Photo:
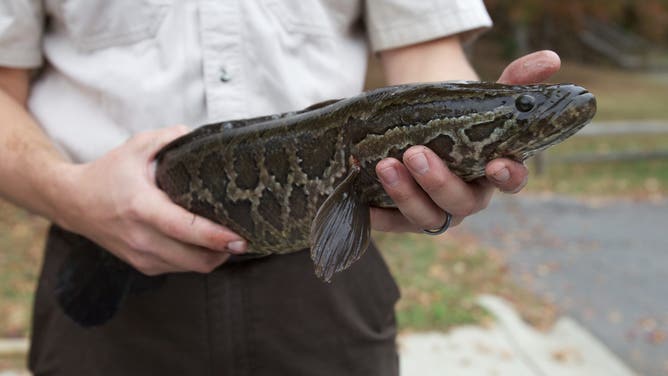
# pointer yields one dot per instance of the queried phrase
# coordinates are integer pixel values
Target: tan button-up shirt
(114, 68)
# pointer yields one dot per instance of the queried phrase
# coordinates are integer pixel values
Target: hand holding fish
(424, 188)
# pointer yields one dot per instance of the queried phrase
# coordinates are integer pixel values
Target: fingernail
(522, 185)
(501, 175)
(237, 246)
(418, 163)
(389, 176)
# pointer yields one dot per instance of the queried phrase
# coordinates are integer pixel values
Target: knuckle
(140, 138)
(436, 183)
(464, 209)
(401, 196)
(143, 264)
(138, 241)
(151, 271)
(209, 263)
(172, 228)
(180, 128)
(135, 208)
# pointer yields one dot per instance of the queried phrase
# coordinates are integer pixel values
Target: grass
(632, 179)
(21, 244)
(12, 362)
(637, 179)
(621, 95)
(440, 279)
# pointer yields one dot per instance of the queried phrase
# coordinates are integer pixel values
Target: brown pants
(268, 316)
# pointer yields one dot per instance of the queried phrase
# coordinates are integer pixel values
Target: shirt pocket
(95, 24)
(307, 17)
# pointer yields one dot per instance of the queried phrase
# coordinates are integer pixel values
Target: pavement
(602, 262)
(508, 347)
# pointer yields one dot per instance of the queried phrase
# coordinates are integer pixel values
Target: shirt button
(224, 75)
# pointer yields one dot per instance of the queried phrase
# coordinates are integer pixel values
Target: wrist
(63, 194)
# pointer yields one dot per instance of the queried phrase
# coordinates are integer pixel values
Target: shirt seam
(20, 58)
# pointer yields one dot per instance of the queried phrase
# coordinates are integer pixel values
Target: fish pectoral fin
(341, 230)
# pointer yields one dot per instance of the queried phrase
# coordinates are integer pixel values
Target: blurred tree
(524, 25)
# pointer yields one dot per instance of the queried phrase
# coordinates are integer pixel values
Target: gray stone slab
(603, 262)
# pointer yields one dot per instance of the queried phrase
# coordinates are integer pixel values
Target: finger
(507, 175)
(445, 188)
(391, 220)
(190, 259)
(165, 136)
(184, 226)
(410, 199)
(150, 142)
(147, 263)
(532, 68)
(179, 256)
(152, 265)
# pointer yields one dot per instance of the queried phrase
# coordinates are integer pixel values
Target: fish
(306, 179)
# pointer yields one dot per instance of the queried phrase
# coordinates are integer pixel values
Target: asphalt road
(603, 263)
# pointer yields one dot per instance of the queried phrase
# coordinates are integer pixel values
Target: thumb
(532, 68)
(167, 135)
(148, 144)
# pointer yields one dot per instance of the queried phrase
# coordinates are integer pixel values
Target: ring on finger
(443, 228)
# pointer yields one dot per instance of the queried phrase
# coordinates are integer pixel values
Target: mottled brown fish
(306, 179)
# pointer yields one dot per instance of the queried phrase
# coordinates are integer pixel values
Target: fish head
(546, 115)
(471, 123)
(515, 121)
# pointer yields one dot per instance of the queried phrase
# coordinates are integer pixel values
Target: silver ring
(442, 229)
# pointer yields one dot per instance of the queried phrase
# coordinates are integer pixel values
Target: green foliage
(639, 179)
(440, 278)
(21, 241)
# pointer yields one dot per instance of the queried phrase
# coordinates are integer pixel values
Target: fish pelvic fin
(341, 230)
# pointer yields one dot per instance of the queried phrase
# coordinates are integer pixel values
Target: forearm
(31, 167)
(438, 60)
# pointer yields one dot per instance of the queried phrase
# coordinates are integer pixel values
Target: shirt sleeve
(396, 23)
(21, 27)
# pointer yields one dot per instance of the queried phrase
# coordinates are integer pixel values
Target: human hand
(423, 187)
(115, 202)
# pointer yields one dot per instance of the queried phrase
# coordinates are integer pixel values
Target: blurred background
(587, 238)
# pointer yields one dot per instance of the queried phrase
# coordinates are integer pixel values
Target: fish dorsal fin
(340, 232)
(318, 105)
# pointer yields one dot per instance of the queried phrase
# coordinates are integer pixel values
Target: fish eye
(525, 103)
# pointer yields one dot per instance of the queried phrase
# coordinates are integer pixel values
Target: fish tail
(92, 283)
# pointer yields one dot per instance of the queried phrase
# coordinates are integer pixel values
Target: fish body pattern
(306, 179)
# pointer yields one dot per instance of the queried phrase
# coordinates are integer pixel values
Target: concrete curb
(567, 349)
(13, 346)
(508, 347)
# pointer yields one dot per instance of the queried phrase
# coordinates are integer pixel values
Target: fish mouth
(575, 109)
(577, 113)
